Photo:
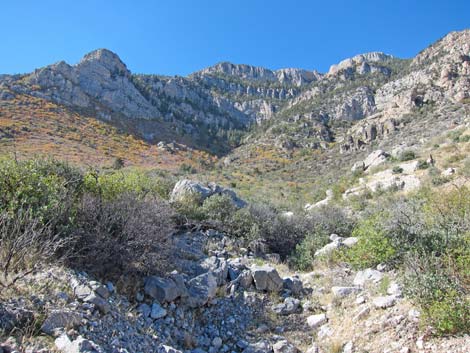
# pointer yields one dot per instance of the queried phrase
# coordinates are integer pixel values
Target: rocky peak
(455, 44)
(361, 63)
(297, 77)
(106, 59)
(243, 71)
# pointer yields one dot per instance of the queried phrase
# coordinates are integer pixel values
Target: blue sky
(181, 36)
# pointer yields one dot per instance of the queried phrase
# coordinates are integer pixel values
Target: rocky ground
(222, 299)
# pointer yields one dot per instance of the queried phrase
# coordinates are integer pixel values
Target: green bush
(407, 155)
(423, 165)
(111, 184)
(218, 208)
(373, 246)
(397, 170)
(304, 254)
(43, 187)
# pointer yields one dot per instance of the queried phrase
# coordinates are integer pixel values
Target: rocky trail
(222, 299)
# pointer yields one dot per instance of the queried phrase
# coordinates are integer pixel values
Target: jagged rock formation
(212, 108)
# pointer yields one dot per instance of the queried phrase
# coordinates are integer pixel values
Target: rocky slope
(222, 299)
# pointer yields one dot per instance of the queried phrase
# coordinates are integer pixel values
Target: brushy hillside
(33, 126)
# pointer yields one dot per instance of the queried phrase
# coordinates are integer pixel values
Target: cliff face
(212, 108)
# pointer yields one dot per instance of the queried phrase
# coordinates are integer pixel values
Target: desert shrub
(407, 155)
(397, 170)
(44, 187)
(431, 285)
(123, 238)
(373, 247)
(280, 233)
(422, 164)
(242, 224)
(218, 208)
(324, 221)
(189, 208)
(112, 184)
(455, 158)
(26, 245)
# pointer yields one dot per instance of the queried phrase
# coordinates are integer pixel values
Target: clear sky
(181, 36)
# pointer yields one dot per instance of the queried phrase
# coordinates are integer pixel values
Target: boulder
(266, 278)
(315, 321)
(367, 275)
(164, 290)
(219, 268)
(144, 309)
(245, 279)
(14, 317)
(284, 347)
(80, 345)
(82, 291)
(293, 284)
(60, 319)
(328, 248)
(289, 306)
(384, 302)
(350, 241)
(157, 312)
(374, 159)
(201, 289)
(99, 302)
(341, 292)
(189, 188)
(259, 347)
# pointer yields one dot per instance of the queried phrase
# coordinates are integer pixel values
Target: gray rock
(144, 309)
(384, 302)
(80, 345)
(266, 278)
(284, 347)
(341, 292)
(245, 279)
(82, 291)
(201, 289)
(219, 268)
(289, 306)
(375, 158)
(259, 347)
(164, 290)
(99, 302)
(315, 321)
(157, 312)
(368, 275)
(192, 189)
(293, 284)
(217, 342)
(60, 319)
(328, 248)
(350, 242)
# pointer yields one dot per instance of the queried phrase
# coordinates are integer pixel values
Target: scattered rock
(341, 292)
(99, 302)
(284, 347)
(201, 289)
(293, 284)
(289, 306)
(164, 290)
(368, 275)
(315, 321)
(266, 278)
(157, 312)
(384, 302)
(60, 319)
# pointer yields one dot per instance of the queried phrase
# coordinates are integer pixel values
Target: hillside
(238, 209)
